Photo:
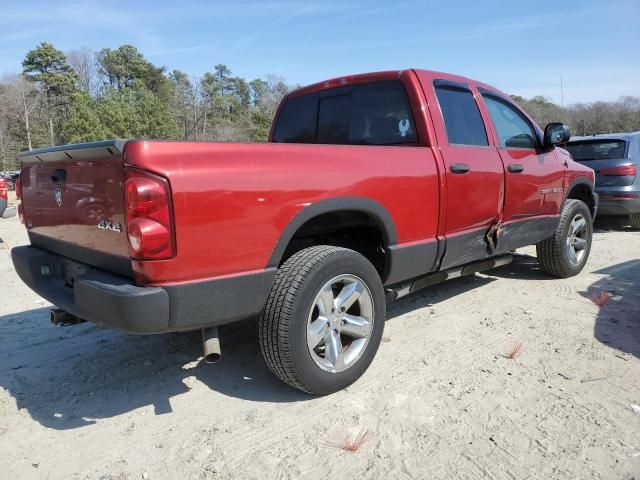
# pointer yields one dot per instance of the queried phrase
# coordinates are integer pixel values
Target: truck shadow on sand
(70, 377)
(618, 320)
(523, 267)
(435, 294)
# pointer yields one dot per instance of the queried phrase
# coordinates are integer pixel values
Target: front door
(534, 177)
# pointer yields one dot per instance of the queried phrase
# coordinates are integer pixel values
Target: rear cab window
(584, 150)
(376, 113)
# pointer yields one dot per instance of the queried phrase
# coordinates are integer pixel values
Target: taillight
(149, 217)
(622, 171)
(18, 186)
(3, 189)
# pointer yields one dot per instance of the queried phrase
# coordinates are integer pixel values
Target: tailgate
(73, 196)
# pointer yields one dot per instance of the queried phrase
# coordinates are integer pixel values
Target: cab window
(512, 127)
(461, 116)
(376, 113)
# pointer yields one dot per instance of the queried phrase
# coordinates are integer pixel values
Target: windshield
(597, 149)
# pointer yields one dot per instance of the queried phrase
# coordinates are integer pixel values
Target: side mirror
(555, 133)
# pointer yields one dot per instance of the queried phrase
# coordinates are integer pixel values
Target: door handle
(515, 168)
(59, 176)
(459, 168)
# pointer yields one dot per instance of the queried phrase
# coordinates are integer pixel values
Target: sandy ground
(439, 401)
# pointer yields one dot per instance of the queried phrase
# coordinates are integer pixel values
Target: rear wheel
(566, 252)
(323, 320)
(634, 219)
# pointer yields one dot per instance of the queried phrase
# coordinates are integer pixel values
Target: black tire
(552, 253)
(283, 323)
(634, 219)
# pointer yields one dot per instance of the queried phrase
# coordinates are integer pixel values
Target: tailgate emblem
(58, 195)
(109, 225)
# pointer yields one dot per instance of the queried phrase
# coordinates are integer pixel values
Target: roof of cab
(387, 75)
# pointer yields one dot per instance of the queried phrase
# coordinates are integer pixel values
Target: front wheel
(565, 253)
(323, 320)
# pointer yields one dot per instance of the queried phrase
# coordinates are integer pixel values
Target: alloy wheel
(340, 323)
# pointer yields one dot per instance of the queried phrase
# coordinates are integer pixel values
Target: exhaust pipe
(211, 345)
(64, 319)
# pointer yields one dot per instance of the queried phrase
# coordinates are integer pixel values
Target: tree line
(82, 95)
(622, 115)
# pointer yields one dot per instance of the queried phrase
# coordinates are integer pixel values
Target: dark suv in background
(615, 157)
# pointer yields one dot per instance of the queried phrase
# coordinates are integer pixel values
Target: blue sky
(519, 47)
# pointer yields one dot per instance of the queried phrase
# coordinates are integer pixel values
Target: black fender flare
(579, 181)
(359, 204)
(583, 181)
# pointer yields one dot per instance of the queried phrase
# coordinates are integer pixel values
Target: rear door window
(597, 149)
(461, 115)
(376, 113)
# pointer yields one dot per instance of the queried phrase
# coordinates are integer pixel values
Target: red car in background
(6, 210)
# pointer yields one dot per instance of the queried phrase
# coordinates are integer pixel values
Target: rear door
(474, 173)
(534, 178)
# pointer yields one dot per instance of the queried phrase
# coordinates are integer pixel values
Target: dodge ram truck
(371, 187)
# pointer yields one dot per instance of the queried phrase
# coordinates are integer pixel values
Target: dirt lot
(440, 400)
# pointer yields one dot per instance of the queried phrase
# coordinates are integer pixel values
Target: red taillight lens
(149, 216)
(622, 171)
(145, 196)
(3, 189)
(146, 235)
(18, 189)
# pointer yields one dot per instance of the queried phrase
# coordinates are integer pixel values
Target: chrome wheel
(577, 239)
(340, 323)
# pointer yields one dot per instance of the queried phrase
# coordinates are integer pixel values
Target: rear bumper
(618, 206)
(113, 301)
(619, 200)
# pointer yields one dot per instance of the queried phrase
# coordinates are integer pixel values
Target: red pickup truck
(371, 187)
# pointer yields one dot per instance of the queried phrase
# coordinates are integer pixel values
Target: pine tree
(48, 67)
(83, 123)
